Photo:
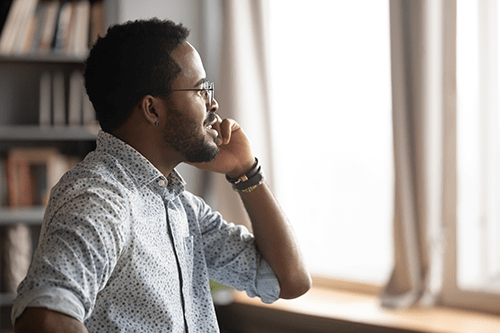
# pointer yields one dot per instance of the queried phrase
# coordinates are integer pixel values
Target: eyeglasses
(208, 90)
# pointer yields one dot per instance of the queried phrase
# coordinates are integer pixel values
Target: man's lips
(210, 121)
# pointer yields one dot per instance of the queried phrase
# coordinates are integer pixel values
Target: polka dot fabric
(124, 249)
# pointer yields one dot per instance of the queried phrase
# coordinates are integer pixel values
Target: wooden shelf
(26, 215)
(39, 59)
(49, 133)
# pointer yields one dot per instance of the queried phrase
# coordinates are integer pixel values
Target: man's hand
(235, 156)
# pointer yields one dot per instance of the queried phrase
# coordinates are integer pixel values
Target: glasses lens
(209, 87)
(211, 92)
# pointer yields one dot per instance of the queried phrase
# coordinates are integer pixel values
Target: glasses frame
(208, 86)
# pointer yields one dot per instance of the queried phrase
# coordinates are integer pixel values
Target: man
(124, 248)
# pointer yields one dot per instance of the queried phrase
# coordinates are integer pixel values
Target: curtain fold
(417, 61)
(243, 92)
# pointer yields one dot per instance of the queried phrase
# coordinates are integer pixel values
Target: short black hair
(132, 60)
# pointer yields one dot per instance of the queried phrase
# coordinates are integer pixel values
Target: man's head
(132, 60)
(149, 88)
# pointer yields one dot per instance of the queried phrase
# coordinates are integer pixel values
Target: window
(332, 128)
(478, 153)
(472, 268)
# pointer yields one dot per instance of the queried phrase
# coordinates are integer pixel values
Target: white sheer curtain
(242, 92)
(418, 57)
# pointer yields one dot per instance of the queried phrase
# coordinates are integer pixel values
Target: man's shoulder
(95, 175)
(97, 169)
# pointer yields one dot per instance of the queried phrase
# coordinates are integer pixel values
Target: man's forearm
(35, 320)
(276, 241)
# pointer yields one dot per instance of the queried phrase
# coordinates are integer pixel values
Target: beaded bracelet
(249, 189)
(249, 181)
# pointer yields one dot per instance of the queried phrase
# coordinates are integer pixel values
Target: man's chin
(207, 155)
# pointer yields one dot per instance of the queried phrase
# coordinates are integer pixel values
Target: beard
(184, 135)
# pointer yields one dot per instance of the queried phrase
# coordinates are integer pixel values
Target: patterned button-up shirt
(125, 249)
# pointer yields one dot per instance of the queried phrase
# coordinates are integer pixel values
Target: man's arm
(273, 233)
(41, 320)
(276, 241)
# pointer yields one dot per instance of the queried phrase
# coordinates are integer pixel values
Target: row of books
(28, 174)
(63, 100)
(41, 27)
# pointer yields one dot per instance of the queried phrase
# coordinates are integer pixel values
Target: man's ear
(148, 105)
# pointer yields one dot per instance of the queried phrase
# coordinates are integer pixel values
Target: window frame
(452, 294)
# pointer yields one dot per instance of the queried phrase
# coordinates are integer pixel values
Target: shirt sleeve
(78, 249)
(233, 259)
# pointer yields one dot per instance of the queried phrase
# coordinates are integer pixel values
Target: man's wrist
(242, 171)
(249, 181)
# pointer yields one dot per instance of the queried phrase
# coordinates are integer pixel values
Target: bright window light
(478, 145)
(332, 133)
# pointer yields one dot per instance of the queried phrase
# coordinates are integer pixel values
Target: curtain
(242, 93)
(418, 61)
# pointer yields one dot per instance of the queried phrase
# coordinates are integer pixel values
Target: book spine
(48, 28)
(8, 36)
(45, 99)
(75, 99)
(59, 99)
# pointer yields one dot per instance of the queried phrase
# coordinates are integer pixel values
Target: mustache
(210, 118)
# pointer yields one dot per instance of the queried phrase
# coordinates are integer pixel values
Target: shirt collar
(141, 169)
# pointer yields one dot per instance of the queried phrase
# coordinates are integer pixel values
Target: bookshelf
(49, 133)
(26, 215)
(24, 98)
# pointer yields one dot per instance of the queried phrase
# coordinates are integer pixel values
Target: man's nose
(214, 107)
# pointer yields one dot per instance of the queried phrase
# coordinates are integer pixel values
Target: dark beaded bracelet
(250, 180)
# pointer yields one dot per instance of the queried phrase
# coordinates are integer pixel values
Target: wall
(181, 11)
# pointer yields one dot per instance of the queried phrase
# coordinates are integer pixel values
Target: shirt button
(161, 182)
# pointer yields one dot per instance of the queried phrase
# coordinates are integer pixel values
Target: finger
(225, 128)
(228, 128)
(216, 126)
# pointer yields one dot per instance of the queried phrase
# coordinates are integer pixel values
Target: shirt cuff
(266, 284)
(53, 298)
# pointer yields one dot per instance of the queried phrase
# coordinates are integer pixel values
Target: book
(31, 174)
(18, 181)
(75, 104)
(24, 22)
(97, 21)
(58, 99)
(31, 30)
(48, 27)
(41, 13)
(45, 98)
(80, 39)
(3, 181)
(63, 27)
(7, 39)
(70, 35)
